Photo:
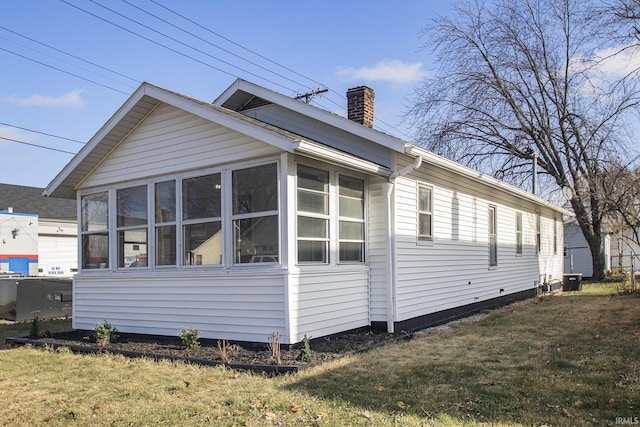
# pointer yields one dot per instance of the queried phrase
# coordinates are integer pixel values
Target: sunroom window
(351, 219)
(255, 214)
(94, 229)
(131, 208)
(165, 222)
(313, 215)
(202, 220)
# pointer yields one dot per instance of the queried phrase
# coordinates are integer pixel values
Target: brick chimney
(360, 105)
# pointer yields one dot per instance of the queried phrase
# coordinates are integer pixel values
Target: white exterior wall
(326, 300)
(378, 249)
(247, 306)
(453, 270)
(19, 241)
(171, 140)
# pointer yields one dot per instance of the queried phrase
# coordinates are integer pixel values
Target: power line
(38, 146)
(171, 38)
(62, 71)
(69, 54)
(43, 133)
(236, 44)
(213, 44)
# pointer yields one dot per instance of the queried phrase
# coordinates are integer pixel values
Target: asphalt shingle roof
(29, 200)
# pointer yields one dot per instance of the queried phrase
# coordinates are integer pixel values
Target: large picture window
(221, 218)
(94, 213)
(313, 215)
(255, 214)
(202, 220)
(131, 208)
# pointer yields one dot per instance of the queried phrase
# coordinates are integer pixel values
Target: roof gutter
(388, 188)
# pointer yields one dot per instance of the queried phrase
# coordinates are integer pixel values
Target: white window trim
(495, 233)
(430, 239)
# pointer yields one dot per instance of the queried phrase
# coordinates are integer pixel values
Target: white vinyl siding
(452, 272)
(327, 301)
(244, 307)
(171, 140)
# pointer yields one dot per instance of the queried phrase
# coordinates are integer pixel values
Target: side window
(255, 212)
(538, 232)
(351, 219)
(493, 237)
(313, 215)
(132, 226)
(519, 233)
(202, 220)
(425, 213)
(94, 213)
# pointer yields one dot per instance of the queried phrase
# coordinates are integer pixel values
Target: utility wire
(236, 44)
(38, 146)
(175, 40)
(214, 45)
(63, 71)
(69, 54)
(43, 133)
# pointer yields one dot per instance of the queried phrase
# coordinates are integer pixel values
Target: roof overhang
(327, 154)
(431, 158)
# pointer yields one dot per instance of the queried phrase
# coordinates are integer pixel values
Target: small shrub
(274, 348)
(223, 347)
(105, 333)
(190, 337)
(305, 351)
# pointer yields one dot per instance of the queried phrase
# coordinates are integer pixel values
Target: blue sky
(339, 44)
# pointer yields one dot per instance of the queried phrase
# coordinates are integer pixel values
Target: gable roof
(139, 105)
(29, 200)
(227, 109)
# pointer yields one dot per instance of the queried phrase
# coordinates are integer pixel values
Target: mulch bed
(251, 356)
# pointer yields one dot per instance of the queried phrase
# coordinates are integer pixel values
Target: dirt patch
(237, 353)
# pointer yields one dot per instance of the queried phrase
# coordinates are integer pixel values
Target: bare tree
(525, 78)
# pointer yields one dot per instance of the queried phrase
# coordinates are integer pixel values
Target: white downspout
(391, 240)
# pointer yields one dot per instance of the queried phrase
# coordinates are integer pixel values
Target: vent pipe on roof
(360, 105)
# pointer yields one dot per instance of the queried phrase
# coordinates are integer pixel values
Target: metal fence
(27, 297)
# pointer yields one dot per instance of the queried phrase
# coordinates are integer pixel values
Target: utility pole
(310, 95)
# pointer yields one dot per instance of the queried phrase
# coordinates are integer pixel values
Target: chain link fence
(23, 298)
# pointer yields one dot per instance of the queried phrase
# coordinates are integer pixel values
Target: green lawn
(568, 359)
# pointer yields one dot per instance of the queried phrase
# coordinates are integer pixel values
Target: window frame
(121, 230)
(326, 217)
(492, 228)
(94, 232)
(334, 217)
(113, 230)
(519, 241)
(538, 231)
(424, 238)
(343, 219)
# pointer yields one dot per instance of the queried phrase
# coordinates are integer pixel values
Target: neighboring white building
(260, 214)
(38, 236)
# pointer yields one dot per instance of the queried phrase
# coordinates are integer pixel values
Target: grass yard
(569, 359)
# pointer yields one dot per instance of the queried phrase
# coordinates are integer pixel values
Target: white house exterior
(259, 214)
